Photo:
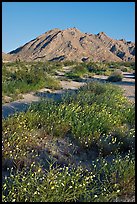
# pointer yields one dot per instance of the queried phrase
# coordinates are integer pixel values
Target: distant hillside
(72, 44)
(7, 57)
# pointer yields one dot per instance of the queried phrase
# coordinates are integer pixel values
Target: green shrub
(115, 76)
(124, 69)
(103, 183)
(77, 72)
(98, 116)
(96, 109)
(69, 63)
(26, 77)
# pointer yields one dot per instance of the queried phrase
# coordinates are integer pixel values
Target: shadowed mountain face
(72, 44)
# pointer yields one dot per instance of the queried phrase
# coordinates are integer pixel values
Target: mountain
(7, 57)
(121, 48)
(72, 44)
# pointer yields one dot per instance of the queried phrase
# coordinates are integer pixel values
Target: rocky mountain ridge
(72, 44)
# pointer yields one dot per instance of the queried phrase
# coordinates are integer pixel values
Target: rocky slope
(7, 57)
(72, 44)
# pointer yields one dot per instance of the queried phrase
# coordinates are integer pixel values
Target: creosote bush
(115, 76)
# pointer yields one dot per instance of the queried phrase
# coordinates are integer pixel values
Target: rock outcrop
(72, 44)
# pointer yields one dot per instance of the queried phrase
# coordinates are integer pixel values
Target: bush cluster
(97, 116)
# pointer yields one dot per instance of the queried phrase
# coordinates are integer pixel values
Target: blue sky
(24, 21)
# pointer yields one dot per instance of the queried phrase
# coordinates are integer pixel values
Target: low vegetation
(98, 118)
(77, 72)
(23, 77)
(115, 76)
(89, 69)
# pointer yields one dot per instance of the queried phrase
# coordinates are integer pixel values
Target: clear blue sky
(24, 21)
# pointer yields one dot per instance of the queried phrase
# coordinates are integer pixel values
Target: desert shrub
(57, 184)
(115, 178)
(124, 69)
(107, 72)
(104, 182)
(28, 77)
(98, 68)
(77, 72)
(69, 63)
(96, 109)
(97, 116)
(115, 76)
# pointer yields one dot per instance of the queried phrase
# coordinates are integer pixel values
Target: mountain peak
(74, 29)
(72, 44)
(101, 33)
(53, 30)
